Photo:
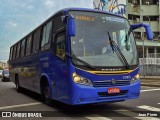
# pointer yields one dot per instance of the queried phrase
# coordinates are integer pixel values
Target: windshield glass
(92, 41)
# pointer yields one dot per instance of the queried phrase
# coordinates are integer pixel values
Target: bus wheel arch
(45, 90)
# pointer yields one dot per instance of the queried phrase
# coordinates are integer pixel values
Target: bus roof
(65, 10)
(87, 9)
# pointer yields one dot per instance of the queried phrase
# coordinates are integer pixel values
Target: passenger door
(61, 71)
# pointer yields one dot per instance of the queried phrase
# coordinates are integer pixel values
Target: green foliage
(1, 68)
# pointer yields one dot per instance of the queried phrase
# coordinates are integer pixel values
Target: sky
(19, 17)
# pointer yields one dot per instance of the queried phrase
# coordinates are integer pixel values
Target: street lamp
(149, 25)
(141, 20)
(142, 37)
(149, 19)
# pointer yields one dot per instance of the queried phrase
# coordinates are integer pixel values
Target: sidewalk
(152, 81)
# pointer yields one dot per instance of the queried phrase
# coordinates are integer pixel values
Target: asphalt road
(147, 104)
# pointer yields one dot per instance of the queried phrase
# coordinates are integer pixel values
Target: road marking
(127, 112)
(132, 114)
(97, 117)
(21, 105)
(149, 90)
(147, 118)
(149, 108)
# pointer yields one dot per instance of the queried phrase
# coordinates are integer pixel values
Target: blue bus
(79, 56)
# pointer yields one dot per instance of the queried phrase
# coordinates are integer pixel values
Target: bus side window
(57, 23)
(18, 49)
(43, 38)
(33, 43)
(14, 51)
(60, 45)
(23, 44)
(29, 45)
(11, 53)
(46, 36)
(36, 41)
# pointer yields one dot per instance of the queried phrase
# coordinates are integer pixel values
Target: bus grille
(108, 83)
(105, 94)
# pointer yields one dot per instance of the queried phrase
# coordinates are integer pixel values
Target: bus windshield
(92, 42)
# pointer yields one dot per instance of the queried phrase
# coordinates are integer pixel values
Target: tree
(1, 68)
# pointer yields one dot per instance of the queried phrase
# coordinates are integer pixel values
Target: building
(3, 65)
(138, 11)
(146, 11)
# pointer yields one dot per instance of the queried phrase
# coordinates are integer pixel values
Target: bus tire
(46, 94)
(18, 88)
(4, 79)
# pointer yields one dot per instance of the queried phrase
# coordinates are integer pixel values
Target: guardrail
(149, 61)
(150, 66)
(153, 55)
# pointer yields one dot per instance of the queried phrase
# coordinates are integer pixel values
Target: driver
(107, 48)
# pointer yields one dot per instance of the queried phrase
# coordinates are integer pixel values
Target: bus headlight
(135, 78)
(81, 80)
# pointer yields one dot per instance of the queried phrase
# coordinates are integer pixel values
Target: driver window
(125, 44)
(60, 45)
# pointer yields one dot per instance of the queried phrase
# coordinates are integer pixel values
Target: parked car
(1, 73)
(5, 75)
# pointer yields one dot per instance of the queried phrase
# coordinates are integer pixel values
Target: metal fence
(153, 55)
(149, 66)
(149, 61)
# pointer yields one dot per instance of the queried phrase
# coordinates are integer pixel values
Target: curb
(151, 78)
(150, 85)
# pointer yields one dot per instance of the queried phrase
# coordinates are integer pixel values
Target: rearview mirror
(149, 32)
(147, 29)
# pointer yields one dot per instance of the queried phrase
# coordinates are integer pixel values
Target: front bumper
(86, 94)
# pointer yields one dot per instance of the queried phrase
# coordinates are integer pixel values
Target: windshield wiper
(74, 57)
(111, 42)
(119, 53)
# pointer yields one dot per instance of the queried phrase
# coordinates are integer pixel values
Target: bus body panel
(58, 73)
(81, 94)
(61, 74)
(86, 95)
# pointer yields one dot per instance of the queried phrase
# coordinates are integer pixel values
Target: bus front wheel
(46, 94)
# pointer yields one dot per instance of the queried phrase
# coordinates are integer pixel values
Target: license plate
(113, 90)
